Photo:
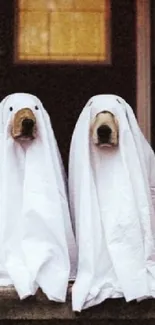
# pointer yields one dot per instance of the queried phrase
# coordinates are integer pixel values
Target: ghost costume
(37, 247)
(112, 200)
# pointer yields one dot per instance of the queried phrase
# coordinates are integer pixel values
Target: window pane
(98, 5)
(63, 30)
(33, 33)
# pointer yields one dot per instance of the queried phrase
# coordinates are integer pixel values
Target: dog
(105, 130)
(24, 125)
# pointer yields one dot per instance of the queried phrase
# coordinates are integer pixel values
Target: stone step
(39, 310)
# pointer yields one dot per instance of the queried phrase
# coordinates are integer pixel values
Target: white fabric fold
(37, 245)
(112, 200)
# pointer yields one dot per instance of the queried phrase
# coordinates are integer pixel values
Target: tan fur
(23, 113)
(105, 118)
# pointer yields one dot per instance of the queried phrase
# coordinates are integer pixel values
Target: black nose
(27, 123)
(104, 133)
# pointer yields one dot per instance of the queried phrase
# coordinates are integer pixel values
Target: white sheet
(112, 199)
(37, 246)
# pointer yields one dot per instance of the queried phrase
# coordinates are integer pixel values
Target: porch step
(38, 310)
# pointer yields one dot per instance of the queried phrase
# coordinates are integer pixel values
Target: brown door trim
(143, 67)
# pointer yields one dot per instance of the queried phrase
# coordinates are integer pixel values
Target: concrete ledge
(40, 308)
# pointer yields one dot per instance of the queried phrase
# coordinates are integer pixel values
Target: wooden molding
(143, 67)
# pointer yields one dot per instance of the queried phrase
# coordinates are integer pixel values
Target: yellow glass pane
(89, 32)
(36, 5)
(71, 33)
(62, 33)
(61, 5)
(54, 5)
(33, 33)
(22, 35)
(56, 30)
(87, 5)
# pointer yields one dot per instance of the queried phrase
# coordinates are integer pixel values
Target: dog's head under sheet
(19, 115)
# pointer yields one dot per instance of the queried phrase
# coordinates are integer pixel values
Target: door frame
(143, 36)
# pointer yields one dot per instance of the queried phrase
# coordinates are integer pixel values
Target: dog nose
(104, 131)
(27, 123)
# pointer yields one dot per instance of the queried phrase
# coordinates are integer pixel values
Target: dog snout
(104, 133)
(24, 125)
(28, 123)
